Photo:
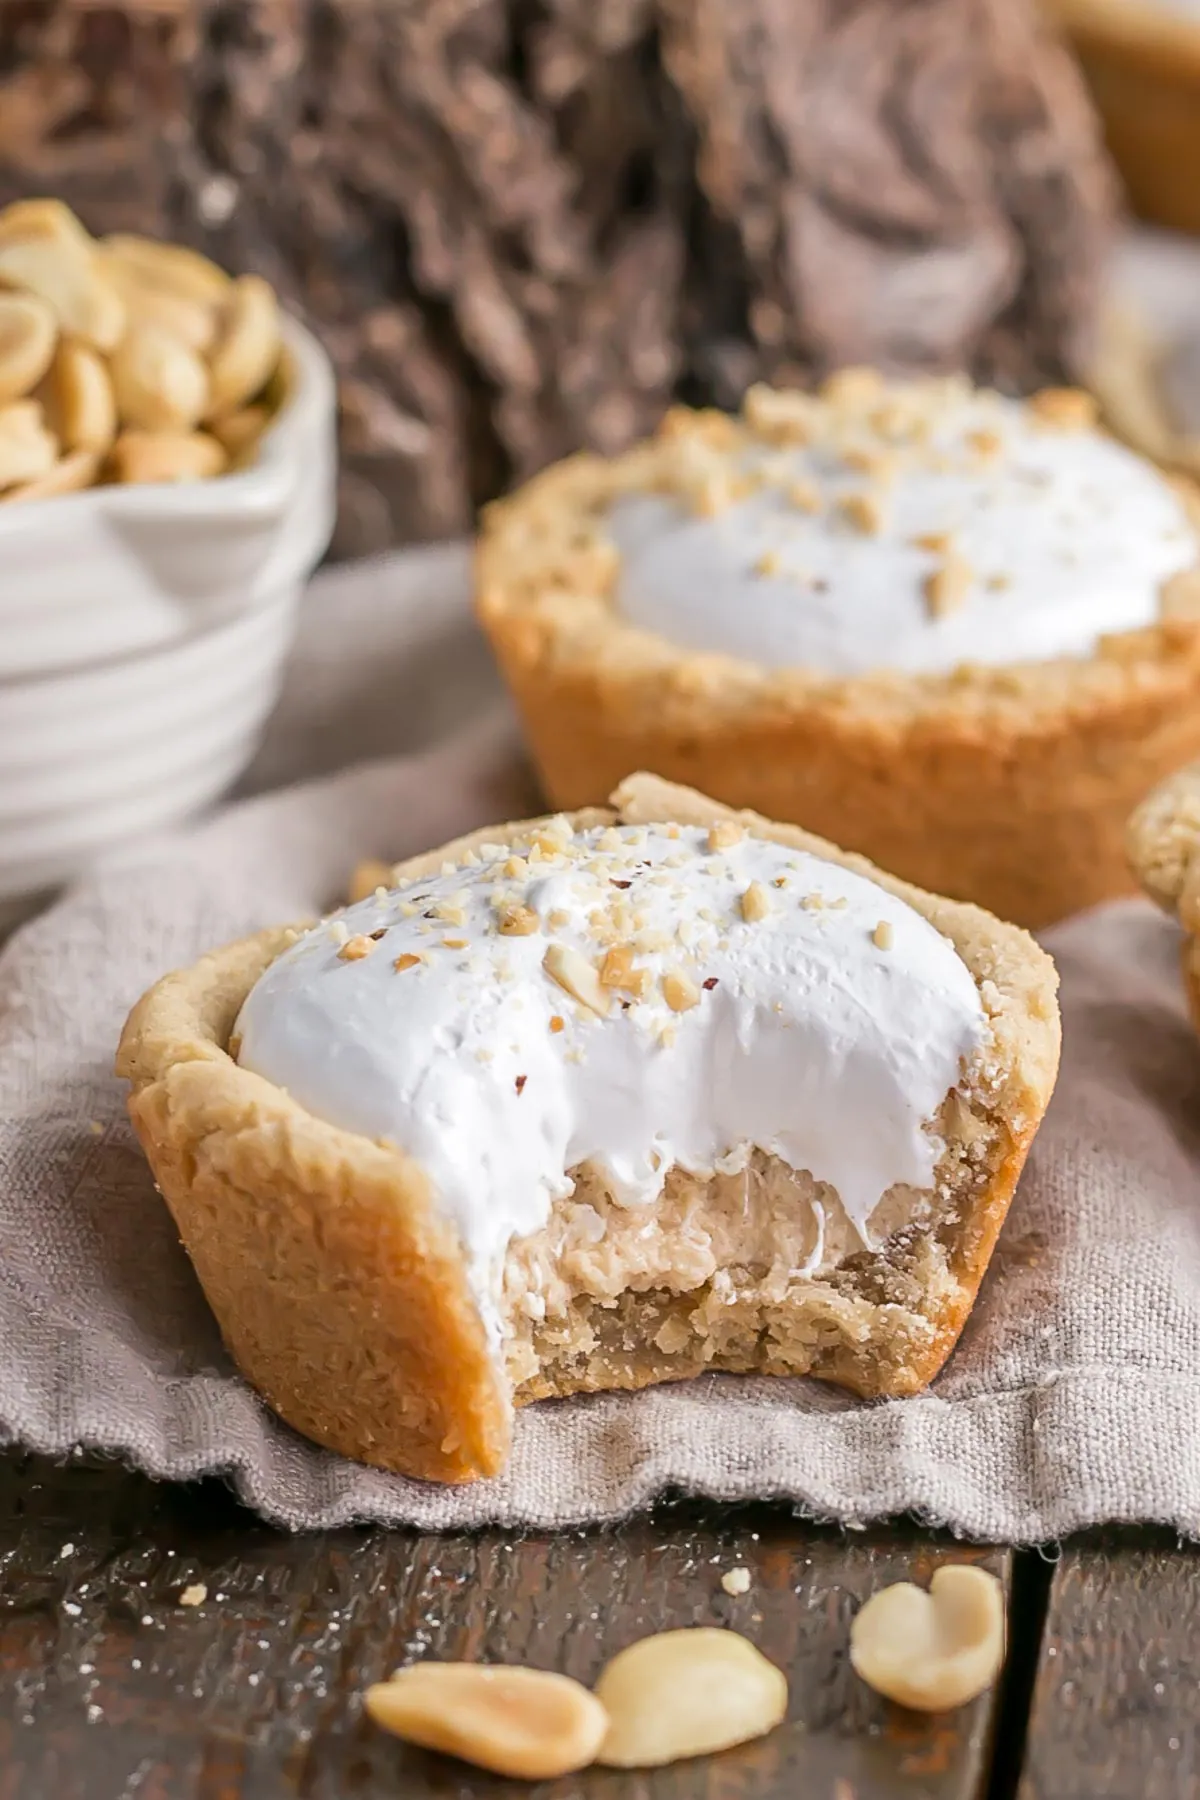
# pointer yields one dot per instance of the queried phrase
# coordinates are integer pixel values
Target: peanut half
(166, 456)
(170, 268)
(247, 348)
(45, 250)
(70, 473)
(160, 384)
(121, 348)
(932, 1651)
(193, 322)
(27, 450)
(78, 397)
(522, 1722)
(687, 1693)
(238, 432)
(28, 330)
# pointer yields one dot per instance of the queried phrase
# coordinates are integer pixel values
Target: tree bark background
(523, 226)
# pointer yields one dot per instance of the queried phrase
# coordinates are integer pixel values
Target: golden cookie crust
(341, 1293)
(1142, 61)
(1008, 786)
(1163, 841)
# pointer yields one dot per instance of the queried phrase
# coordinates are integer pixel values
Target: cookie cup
(344, 1296)
(1142, 62)
(1008, 786)
(1164, 850)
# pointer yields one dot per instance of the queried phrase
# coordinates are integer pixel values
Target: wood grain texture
(1116, 1705)
(110, 1690)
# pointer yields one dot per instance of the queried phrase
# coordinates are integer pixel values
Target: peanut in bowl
(144, 623)
(167, 450)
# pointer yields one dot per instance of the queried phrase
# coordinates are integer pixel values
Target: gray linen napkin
(1072, 1398)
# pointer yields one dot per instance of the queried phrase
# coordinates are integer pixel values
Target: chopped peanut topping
(355, 948)
(985, 444)
(948, 587)
(1064, 409)
(939, 541)
(851, 388)
(407, 961)
(755, 903)
(725, 834)
(768, 563)
(557, 1022)
(680, 992)
(619, 971)
(883, 935)
(863, 512)
(781, 416)
(804, 496)
(517, 921)
(575, 974)
(870, 461)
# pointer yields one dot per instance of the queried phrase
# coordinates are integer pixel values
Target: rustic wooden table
(111, 1690)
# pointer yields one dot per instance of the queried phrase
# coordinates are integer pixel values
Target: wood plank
(1116, 1704)
(110, 1690)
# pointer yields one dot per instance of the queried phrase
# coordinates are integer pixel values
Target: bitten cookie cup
(957, 634)
(1142, 62)
(1164, 849)
(768, 1110)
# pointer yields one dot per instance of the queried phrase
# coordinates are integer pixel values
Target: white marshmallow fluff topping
(913, 527)
(629, 997)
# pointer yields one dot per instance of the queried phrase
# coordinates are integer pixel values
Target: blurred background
(521, 226)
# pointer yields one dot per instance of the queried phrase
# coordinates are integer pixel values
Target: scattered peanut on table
(513, 1721)
(694, 1691)
(936, 1650)
(125, 360)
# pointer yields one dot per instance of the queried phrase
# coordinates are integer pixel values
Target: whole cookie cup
(956, 633)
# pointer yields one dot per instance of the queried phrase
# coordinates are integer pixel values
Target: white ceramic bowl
(111, 571)
(167, 614)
